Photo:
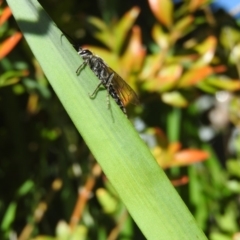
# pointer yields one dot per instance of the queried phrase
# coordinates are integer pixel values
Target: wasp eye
(84, 51)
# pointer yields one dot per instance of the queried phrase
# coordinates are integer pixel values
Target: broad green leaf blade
(142, 185)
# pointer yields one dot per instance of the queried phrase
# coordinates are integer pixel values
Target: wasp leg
(95, 91)
(109, 83)
(83, 65)
(108, 100)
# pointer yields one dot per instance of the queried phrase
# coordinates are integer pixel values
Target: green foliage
(183, 63)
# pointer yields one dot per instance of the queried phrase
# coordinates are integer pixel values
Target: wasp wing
(125, 92)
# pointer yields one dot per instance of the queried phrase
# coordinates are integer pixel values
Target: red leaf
(162, 10)
(189, 156)
(181, 181)
(194, 76)
(134, 55)
(195, 4)
(5, 15)
(174, 147)
(9, 44)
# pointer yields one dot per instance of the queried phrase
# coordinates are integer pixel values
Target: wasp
(120, 91)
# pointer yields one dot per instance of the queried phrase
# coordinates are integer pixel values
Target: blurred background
(182, 58)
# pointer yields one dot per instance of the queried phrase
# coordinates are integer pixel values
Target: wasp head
(84, 53)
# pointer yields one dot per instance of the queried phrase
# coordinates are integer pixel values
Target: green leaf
(26, 187)
(117, 32)
(9, 216)
(11, 77)
(123, 26)
(174, 98)
(224, 83)
(124, 157)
